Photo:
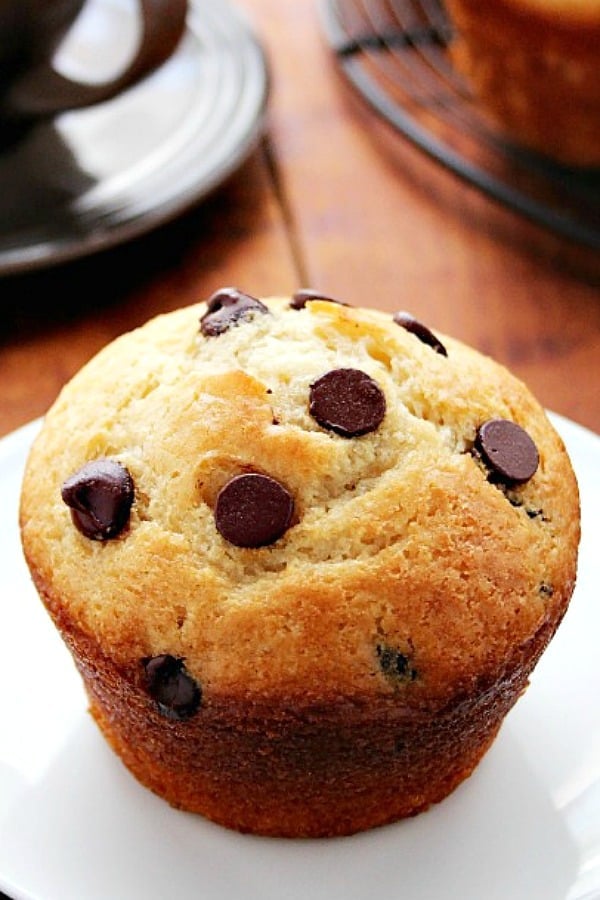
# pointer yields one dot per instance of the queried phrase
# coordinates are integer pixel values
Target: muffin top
(301, 499)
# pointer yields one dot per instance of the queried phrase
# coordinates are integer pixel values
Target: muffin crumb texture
(305, 556)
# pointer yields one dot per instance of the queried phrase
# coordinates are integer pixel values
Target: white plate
(74, 825)
(90, 179)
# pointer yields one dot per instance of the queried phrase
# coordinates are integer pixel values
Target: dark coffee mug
(30, 33)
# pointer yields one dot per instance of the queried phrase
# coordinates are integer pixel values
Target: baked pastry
(535, 66)
(305, 556)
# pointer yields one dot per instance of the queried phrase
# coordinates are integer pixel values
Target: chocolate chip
(348, 402)
(535, 512)
(508, 450)
(227, 307)
(253, 510)
(100, 495)
(394, 664)
(546, 589)
(306, 295)
(176, 693)
(419, 330)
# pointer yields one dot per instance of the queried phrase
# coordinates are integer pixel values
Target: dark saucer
(92, 179)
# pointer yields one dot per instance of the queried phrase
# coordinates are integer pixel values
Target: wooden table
(334, 200)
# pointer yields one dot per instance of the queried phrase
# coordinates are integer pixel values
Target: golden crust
(399, 544)
(535, 67)
(303, 768)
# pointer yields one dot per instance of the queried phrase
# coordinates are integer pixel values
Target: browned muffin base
(296, 770)
(310, 806)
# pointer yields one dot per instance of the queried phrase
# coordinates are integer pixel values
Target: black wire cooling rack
(395, 54)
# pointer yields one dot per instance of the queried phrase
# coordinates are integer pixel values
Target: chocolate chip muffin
(305, 556)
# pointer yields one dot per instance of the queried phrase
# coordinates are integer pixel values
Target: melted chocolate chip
(419, 330)
(348, 402)
(227, 307)
(535, 512)
(395, 664)
(508, 450)
(253, 510)
(173, 689)
(306, 295)
(100, 496)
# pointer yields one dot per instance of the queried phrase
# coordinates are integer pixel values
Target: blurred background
(255, 157)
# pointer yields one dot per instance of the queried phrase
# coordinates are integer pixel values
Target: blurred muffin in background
(534, 65)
